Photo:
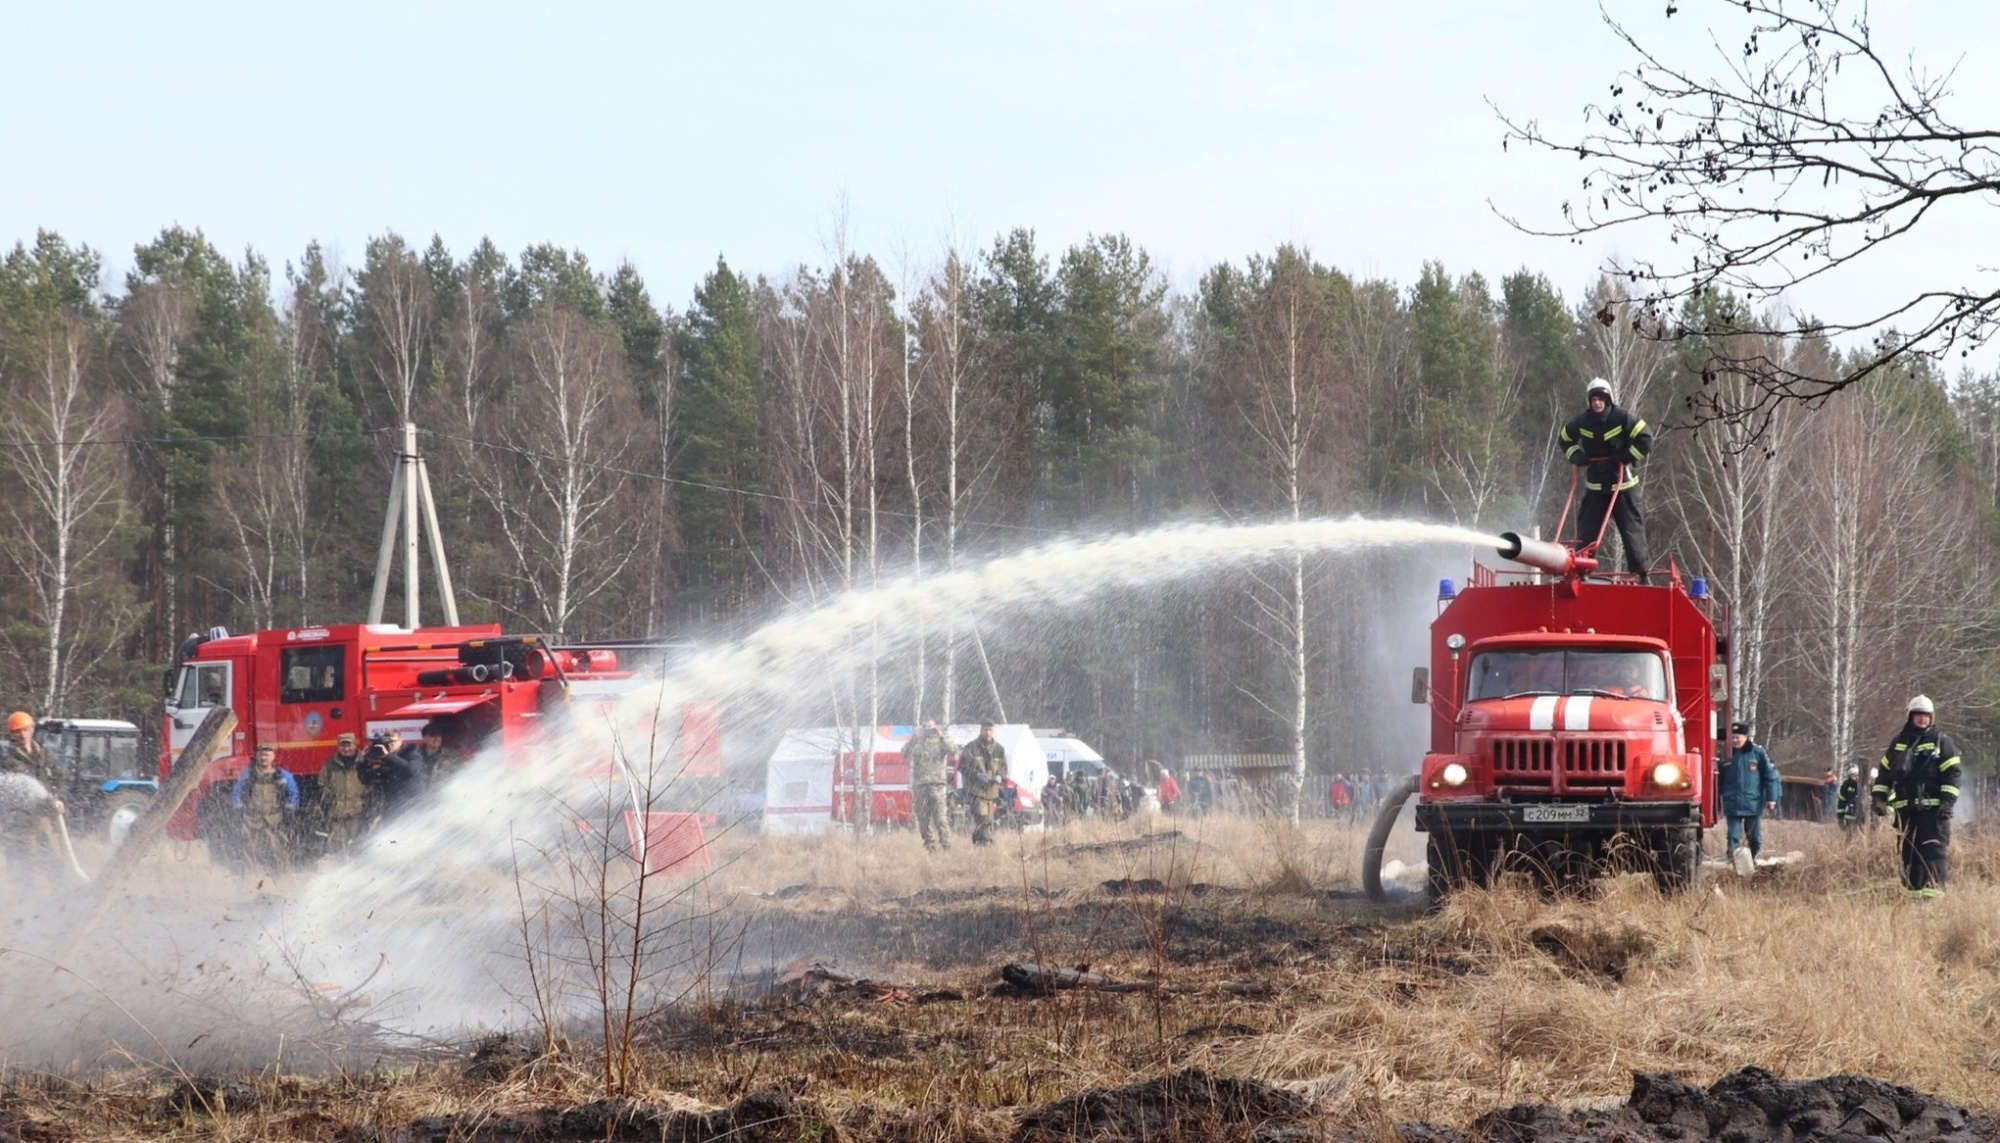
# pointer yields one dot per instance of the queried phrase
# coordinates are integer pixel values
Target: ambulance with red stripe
(1575, 717)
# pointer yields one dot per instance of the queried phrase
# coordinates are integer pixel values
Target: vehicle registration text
(1556, 813)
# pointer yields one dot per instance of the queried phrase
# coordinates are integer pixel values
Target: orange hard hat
(20, 720)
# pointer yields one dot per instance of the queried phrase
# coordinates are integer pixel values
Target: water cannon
(1549, 557)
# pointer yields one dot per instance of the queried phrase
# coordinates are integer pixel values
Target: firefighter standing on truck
(343, 796)
(268, 797)
(1918, 781)
(1606, 442)
(929, 755)
(981, 765)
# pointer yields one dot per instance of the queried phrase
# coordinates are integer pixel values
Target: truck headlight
(1454, 774)
(1666, 774)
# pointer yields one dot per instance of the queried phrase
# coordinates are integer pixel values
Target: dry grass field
(861, 992)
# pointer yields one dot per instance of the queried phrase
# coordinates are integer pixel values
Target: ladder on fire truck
(409, 491)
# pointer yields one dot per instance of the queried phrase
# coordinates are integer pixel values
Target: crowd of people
(272, 826)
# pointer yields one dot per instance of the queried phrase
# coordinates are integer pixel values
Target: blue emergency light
(1698, 587)
(1445, 590)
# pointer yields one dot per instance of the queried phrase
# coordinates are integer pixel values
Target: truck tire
(1455, 862)
(1378, 839)
(120, 811)
(1679, 860)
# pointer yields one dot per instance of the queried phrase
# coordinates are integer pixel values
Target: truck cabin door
(312, 701)
(202, 687)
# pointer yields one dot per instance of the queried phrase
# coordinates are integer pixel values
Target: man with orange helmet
(30, 840)
(24, 755)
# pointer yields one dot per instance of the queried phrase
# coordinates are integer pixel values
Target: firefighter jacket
(927, 755)
(343, 794)
(1843, 806)
(981, 765)
(264, 798)
(1600, 442)
(1920, 770)
(1749, 779)
(35, 761)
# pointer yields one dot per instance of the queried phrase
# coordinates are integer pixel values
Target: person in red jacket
(1169, 791)
(1339, 796)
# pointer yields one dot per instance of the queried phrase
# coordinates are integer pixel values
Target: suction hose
(1378, 838)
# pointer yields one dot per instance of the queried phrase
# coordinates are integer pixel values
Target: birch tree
(58, 435)
(565, 433)
(1282, 385)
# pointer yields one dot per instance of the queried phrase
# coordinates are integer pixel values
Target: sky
(669, 134)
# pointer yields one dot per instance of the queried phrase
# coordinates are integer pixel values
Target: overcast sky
(669, 133)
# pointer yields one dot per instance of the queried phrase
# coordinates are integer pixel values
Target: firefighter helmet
(1597, 385)
(1922, 705)
(20, 720)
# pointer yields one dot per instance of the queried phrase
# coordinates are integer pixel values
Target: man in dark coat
(1918, 783)
(1606, 442)
(1750, 786)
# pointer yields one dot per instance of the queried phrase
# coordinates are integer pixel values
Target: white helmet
(1922, 705)
(1597, 385)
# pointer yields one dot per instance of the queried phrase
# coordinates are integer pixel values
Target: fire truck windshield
(1567, 671)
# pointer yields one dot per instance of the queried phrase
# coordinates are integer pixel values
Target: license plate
(1558, 813)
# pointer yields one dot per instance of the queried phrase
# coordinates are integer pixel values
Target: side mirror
(1718, 682)
(1420, 685)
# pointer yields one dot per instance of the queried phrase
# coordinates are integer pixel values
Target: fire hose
(1378, 838)
(69, 851)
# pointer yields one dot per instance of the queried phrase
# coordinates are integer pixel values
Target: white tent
(798, 780)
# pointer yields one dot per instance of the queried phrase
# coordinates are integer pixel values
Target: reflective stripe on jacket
(1920, 770)
(1617, 436)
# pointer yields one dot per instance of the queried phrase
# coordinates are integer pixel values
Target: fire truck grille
(1585, 762)
(1594, 761)
(1519, 761)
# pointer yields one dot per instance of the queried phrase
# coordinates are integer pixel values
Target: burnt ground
(1001, 1015)
(1750, 1106)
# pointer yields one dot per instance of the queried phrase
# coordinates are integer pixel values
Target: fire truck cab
(1574, 721)
(299, 688)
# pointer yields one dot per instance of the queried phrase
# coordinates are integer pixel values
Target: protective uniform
(1749, 780)
(929, 754)
(1599, 443)
(981, 765)
(1918, 783)
(343, 805)
(1846, 804)
(268, 802)
(34, 760)
(29, 838)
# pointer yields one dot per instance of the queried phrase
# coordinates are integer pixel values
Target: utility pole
(409, 492)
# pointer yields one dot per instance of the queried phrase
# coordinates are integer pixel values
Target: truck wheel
(120, 812)
(1679, 860)
(1455, 862)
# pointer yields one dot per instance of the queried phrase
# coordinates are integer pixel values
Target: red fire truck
(299, 688)
(1574, 719)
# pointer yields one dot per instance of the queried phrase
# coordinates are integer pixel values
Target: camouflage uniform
(928, 754)
(343, 801)
(981, 765)
(267, 801)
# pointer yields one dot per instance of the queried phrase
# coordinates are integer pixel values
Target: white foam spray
(476, 911)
